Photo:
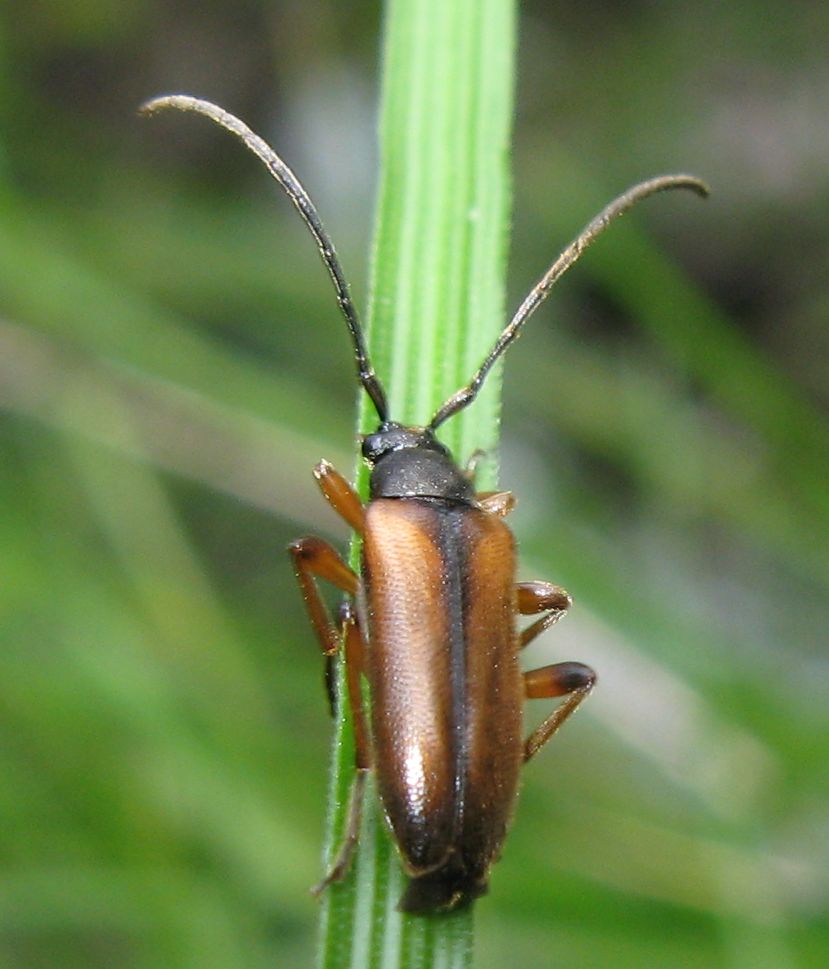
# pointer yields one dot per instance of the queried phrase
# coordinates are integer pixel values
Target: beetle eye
(373, 447)
(368, 446)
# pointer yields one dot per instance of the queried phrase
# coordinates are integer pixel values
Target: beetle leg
(498, 503)
(536, 597)
(571, 680)
(354, 654)
(340, 495)
(362, 755)
(315, 559)
(471, 467)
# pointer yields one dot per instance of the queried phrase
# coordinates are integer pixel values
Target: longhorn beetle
(431, 618)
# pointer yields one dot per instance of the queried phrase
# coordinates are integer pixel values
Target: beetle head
(391, 436)
(410, 462)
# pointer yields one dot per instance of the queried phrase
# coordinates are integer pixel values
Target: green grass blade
(437, 305)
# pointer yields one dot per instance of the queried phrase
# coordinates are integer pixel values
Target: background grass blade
(172, 366)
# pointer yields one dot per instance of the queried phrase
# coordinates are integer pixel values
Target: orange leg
(498, 503)
(316, 560)
(353, 668)
(536, 597)
(571, 680)
(340, 495)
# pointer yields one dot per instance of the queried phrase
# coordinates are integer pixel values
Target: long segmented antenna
(302, 202)
(463, 397)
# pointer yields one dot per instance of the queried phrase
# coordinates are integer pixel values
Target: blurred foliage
(173, 366)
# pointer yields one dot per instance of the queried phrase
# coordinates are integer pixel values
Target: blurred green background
(172, 366)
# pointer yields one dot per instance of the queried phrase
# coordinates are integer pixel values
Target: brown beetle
(434, 629)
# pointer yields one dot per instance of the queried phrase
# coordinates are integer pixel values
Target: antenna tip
(182, 102)
(693, 183)
(152, 105)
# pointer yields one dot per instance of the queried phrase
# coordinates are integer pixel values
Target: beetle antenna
(540, 291)
(303, 204)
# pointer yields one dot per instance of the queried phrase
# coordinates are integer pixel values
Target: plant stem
(436, 308)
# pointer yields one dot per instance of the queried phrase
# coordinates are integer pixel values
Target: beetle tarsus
(571, 680)
(342, 862)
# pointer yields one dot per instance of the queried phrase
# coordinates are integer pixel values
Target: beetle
(430, 620)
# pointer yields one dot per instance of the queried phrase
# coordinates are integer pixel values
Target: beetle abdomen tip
(444, 890)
